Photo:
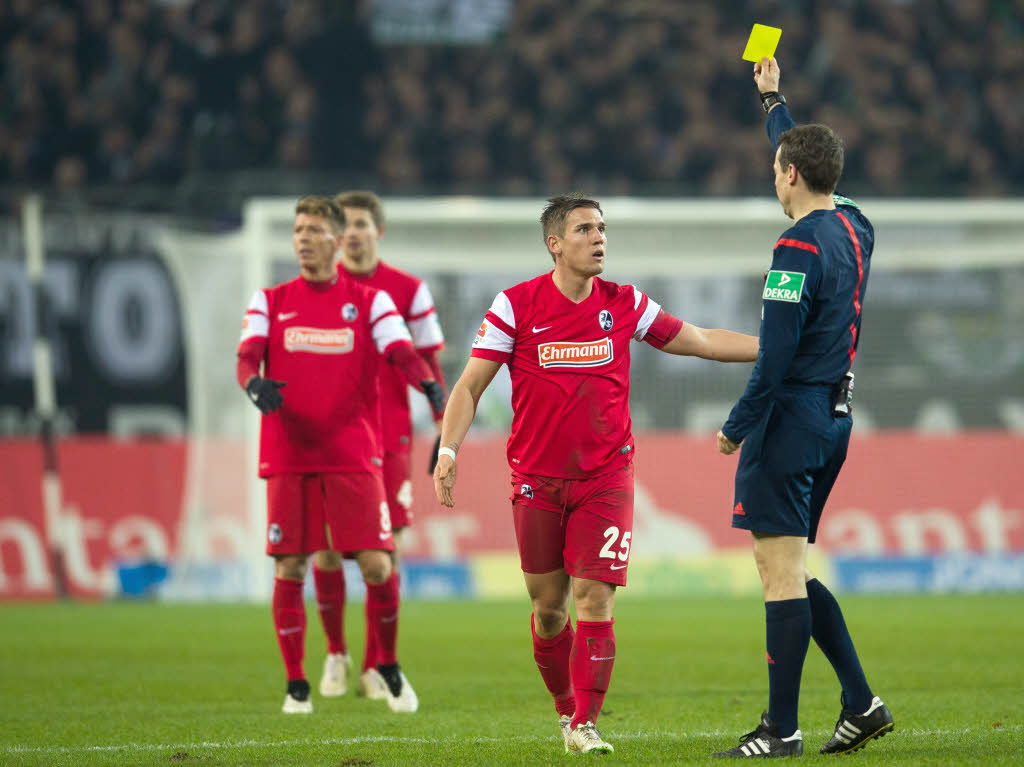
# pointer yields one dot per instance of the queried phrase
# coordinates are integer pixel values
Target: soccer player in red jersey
(319, 339)
(565, 337)
(363, 229)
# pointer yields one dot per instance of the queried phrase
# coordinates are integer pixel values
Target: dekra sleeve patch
(783, 286)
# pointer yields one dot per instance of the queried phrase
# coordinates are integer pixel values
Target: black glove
(264, 393)
(433, 455)
(435, 395)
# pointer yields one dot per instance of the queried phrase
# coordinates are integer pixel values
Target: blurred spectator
(627, 97)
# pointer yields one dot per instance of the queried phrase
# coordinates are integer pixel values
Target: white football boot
(586, 739)
(296, 700)
(565, 726)
(405, 702)
(334, 682)
(372, 686)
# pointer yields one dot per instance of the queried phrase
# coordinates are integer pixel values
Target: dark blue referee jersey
(811, 309)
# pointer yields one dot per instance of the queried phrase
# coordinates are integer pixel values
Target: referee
(794, 423)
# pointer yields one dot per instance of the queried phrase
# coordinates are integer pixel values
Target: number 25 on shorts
(611, 538)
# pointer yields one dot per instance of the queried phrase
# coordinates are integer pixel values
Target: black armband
(770, 99)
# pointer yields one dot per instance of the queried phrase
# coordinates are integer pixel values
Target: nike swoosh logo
(282, 316)
(610, 657)
(538, 330)
(286, 632)
(617, 567)
(392, 619)
(385, 536)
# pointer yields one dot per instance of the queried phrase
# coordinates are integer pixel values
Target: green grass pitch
(156, 684)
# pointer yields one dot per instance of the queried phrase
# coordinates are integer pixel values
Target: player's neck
(322, 274)
(810, 203)
(357, 265)
(575, 287)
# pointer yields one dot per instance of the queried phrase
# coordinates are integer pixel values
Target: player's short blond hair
(324, 207)
(557, 211)
(366, 200)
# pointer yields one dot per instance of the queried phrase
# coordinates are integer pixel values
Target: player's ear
(792, 174)
(554, 247)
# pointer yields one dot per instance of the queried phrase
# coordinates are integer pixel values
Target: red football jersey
(416, 305)
(325, 340)
(569, 365)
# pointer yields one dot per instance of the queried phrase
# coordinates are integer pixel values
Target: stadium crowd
(628, 97)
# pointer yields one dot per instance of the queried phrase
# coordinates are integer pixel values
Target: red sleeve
(430, 357)
(250, 355)
(664, 328)
(409, 364)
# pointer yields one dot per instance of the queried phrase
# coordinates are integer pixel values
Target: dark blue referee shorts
(789, 463)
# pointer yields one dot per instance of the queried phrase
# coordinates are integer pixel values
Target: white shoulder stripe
(493, 339)
(256, 323)
(258, 303)
(426, 331)
(422, 302)
(502, 307)
(382, 304)
(637, 297)
(389, 330)
(647, 318)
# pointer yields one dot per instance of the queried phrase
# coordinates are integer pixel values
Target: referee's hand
(766, 75)
(725, 445)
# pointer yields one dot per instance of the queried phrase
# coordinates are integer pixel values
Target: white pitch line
(915, 733)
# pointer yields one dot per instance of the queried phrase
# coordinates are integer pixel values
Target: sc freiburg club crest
(605, 320)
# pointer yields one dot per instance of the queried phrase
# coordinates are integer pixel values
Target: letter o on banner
(132, 323)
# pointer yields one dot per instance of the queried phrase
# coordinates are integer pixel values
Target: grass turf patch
(148, 683)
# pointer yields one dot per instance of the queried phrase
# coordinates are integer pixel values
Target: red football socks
(330, 600)
(372, 649)
(290, 624)
(382, 613)
(591, 661)
(552, 657)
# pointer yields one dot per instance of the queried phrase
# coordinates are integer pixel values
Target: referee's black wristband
(770, 99)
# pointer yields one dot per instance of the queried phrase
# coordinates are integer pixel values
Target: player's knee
(550, 619)
(376, 567)
(327, 560)
(291, 567)
(594, 600)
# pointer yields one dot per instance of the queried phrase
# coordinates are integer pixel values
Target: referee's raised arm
(766, 76)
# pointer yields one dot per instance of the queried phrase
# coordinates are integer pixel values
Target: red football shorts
(398, 486)
(582, 525)
(343, 511)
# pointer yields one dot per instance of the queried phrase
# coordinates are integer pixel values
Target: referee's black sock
(788, 633)
(829, 630)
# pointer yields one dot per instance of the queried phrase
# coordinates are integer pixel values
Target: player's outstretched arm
(713, 344)
(458, 416)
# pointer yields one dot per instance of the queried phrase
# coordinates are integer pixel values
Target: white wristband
(446, 451)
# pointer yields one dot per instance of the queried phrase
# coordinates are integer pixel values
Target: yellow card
(762, 43)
